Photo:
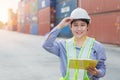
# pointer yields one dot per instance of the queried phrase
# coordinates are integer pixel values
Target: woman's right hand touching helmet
(66, 21)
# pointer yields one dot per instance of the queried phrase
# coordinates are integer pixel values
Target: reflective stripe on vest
(77, 74)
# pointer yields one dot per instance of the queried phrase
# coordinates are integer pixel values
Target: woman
(77, 47)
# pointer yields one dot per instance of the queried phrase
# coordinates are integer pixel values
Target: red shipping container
(27, 8)
(106, 27)
(27, 28)
(18, 27)
(44, 19)
(98, 6)
(111, 5)
(43, 28)
(44, 15)
(92, 6)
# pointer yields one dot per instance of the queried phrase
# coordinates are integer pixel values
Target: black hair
(84, 20)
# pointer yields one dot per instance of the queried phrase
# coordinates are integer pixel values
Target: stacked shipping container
(40, 16)
(27, 15)
(12, 20)
(105, 14)
(63, 9)
(34, 17)
(46, 16)
(21, 16)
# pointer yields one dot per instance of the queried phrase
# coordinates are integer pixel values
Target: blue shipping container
(59, 1)
(66, 31)
(64, 8)
(46, 3)
(34, 29)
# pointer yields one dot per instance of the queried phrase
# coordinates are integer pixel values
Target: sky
(4, 6)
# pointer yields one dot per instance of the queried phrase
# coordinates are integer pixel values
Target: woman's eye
(75, 25)
(82, 25)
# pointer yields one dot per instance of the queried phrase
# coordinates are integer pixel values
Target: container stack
(39, 17)
(63, 9)
(12, 20)
(34, 17)
(21, 16)
(46, 18)
(105, 25)
(27, 18)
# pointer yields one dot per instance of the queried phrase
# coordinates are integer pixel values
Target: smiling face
(79, 28)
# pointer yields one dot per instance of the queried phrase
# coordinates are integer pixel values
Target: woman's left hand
(93, 71)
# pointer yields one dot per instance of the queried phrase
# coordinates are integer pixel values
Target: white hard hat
(79, 13)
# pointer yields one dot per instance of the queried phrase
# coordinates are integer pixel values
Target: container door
(34, 28)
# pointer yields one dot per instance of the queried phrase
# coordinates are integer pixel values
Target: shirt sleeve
(50, 44)
(101, 56)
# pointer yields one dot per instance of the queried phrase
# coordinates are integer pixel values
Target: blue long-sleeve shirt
(58, 48)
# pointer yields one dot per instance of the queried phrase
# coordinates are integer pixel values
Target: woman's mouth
(79, 33)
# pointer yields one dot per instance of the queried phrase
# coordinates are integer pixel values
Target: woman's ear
(88, 27)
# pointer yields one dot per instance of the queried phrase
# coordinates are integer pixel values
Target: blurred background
(38, 17)
(24, 23)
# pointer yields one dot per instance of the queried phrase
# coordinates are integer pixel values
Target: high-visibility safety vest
(77, 74)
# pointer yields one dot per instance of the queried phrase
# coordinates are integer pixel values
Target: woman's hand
(93, 71)
(64, 22)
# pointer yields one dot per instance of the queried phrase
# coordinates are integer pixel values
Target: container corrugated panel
(44, 15)
(47, 15)
(27, 28)
(18, 27)
(58, 1)
(34, 29)
(44, 28)
(111, 5)
(46, 3)
(66, 31)
(97, 6)
(64, 8)
(106, 27)
(27, 7)
(22, 27)
(44, 20)
(92, 6)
